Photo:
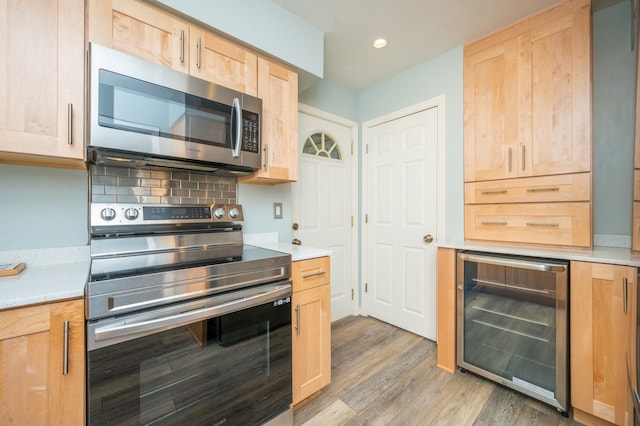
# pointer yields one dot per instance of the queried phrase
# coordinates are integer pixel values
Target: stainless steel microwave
(145, 114)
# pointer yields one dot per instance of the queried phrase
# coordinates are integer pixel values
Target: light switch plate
(277, 210)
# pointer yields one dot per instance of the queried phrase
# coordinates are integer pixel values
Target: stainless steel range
(185, 324)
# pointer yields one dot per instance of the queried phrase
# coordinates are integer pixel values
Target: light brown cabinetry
(278, 89)
(447, 309)
(222, 62)
(603, 329)
(38, 385)
(527, 113)
(311, 334)
(41, 83)
(155, 35)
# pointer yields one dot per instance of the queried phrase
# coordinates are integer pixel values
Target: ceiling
(416, 30)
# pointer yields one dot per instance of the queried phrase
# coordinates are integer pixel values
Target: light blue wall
(263, 25)
(332, 97)
(439, 76)
(257, 205)
(42, 207)
(614, 76)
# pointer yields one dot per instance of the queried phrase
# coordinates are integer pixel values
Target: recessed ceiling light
(379, 43)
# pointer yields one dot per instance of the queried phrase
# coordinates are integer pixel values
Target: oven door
(224, 359)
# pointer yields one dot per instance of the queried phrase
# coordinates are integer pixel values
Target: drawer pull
(510, 151)
(313, 274)
(65, 349)
(547, 189)
(493, 223)
(542, 224)
(494, 191)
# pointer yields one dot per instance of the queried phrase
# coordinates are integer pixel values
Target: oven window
(233, 369)
(510, 324)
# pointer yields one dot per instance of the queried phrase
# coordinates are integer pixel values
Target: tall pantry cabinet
(527, 130)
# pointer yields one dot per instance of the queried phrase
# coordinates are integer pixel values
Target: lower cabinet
(42, 368)
(603, 329)
(311, 320)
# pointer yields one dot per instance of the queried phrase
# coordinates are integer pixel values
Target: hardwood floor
(382, 375)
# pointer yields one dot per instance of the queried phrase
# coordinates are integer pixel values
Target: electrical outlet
(277, 210)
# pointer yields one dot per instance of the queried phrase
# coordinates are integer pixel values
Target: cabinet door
(311, 341)
(490, 111)
(603, 317)
(34, 388)
(222, 62)
(560, 54)
(136, 28)
(278, 89)
(41, 79)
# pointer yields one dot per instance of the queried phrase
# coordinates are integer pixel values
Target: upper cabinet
(527, 130)
(142, 30)
(41, 83)
(527, 97)
(219, 61)
(278, 89)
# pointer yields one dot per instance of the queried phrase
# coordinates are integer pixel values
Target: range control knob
(234, 212)
(108, 214)
(131, 213)
(219, 212)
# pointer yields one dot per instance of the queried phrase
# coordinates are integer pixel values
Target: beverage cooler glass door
(512, 323)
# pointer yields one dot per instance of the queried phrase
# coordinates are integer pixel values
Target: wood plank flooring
(382, 375)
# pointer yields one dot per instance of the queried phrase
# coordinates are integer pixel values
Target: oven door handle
(514, 263)
(161, 323)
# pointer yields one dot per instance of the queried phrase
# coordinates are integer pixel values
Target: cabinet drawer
(310, 273)
(571, 187)
(636, 185)
(565, 224)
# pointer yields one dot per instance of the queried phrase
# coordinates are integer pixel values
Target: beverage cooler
(512, 323)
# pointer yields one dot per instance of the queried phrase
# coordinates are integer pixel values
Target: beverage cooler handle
(236, 127)
(514, 263)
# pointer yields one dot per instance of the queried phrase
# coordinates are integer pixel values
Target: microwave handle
(236, 124)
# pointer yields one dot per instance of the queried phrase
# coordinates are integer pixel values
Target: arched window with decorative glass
(322, 144)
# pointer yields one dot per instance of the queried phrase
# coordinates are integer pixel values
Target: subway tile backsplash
(160, 186)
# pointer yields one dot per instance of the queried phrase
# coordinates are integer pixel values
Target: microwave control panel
(250, 132)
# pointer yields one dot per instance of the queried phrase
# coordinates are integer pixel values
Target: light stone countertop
(270, 241)
(610, 255)
(50, 275)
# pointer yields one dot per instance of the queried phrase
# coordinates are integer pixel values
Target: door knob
(295, 226)
(427, 238)
(296, 242)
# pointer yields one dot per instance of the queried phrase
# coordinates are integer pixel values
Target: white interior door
(324, 197)
(401, 207)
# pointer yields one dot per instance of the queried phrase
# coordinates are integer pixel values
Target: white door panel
(401, 180)
(323, 203)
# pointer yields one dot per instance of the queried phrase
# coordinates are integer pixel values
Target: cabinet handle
(70, 124)
(524, 156)
(542, 224)
(313, 274)
(65, 350)
(265, 160)
(494, 191)
(493, 223)
(198, 52)
(550, 188)
(510, 152)
(181, 45)
(624, 294)
(298, 319)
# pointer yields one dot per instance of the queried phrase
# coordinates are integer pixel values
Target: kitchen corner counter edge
(50, 275)
(296, 252)
(609, 255)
